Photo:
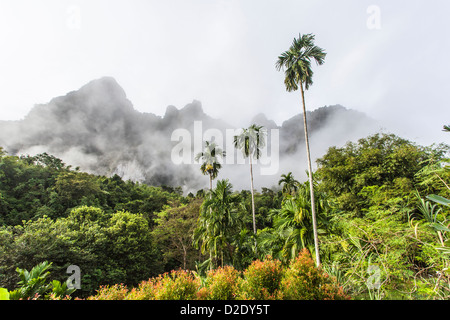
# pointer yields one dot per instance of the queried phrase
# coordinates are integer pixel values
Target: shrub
(176, 285)
(145, 291)
(34, 285)
(262, 280)
(303, 281)
(220, 284)
(115, 292)
(4, 294)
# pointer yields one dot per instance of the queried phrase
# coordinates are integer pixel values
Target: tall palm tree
(290, 185)
(296, 63)
(250, 142)
(210, 164)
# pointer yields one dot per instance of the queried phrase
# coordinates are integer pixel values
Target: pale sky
(388, 59)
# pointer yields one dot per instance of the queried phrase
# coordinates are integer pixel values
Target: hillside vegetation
(382, 221)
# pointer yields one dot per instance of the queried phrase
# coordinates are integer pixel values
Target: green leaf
(439, 227)
(444, 250)
(439, 199)
(4, 294)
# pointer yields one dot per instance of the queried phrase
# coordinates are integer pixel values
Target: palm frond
(210, 157)
(251, 141)
(296, 62)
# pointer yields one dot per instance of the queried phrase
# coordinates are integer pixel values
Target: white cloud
(223, 53)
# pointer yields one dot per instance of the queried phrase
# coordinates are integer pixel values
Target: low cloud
(97, 129)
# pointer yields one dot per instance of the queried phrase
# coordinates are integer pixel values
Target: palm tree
(250, 142)
(219, 220)
(292, 226)
(210, 165)
(290, 185)
(296, 63)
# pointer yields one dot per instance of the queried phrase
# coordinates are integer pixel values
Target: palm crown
(290, 185)
(210, 159)
(296, 62)
(251, 140)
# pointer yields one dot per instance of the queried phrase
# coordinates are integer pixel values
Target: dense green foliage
(34, 284)
(351, 173)
(376, 188)
(50, 212)
(382, 213)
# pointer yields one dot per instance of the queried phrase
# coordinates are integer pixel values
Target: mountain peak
(105, 85)
(261, 119)
(194, 108)
(171, 111)
(95, 102)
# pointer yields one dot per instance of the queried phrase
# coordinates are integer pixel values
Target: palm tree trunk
(253, 196)
(210, 212)
(311, 187)
(253, 201)
(184, 255)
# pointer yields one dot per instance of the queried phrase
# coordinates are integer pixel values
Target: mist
(223, 54)
(97, 129)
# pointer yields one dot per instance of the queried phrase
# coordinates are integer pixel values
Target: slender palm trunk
(184, 255)
(210, 211)
(311, 187)
(253, 195)
(253, 201)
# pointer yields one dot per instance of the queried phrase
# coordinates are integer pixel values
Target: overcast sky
(388, 59)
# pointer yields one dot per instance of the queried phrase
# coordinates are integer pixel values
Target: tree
(290, 185)
(292, 228)
(129, 251)
(250, 142)
(25, 189)
(47, 160)
(173, 233)
(72, 187)
(219, 221)
(296, 63)
(377, 160)
(210, 164)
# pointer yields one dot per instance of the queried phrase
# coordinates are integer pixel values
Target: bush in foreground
(262, 280)
(303, 281)
(223, 283)
(176, 285)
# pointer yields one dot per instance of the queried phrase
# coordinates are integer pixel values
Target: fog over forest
(97, 129)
